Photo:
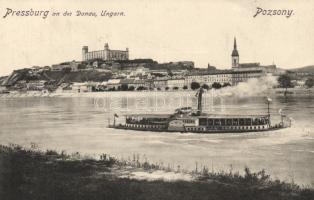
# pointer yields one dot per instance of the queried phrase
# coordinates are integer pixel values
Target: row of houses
(229, 77)
(232, 77)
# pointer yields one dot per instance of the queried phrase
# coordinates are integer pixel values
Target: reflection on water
(79, 124)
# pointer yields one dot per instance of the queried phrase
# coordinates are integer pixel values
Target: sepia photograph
(163, 100)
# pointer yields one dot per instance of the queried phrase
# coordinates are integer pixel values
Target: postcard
(113, 99)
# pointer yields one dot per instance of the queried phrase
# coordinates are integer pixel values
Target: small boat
(187, 120)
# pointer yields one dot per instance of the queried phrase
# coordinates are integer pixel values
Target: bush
(141, 88)
(131, 88)
(226, 85)
(195, 85)
(124, 87)
(284, 81)
(205, 86)
(216, 85)
(309, 82)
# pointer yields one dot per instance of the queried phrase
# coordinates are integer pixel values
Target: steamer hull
(186, 120)
(199, 124)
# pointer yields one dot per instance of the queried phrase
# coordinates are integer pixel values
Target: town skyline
(191, 31)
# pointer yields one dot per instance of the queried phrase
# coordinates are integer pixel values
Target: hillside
(2, 79)
(54, 76)
(80, 76)
(309, 69)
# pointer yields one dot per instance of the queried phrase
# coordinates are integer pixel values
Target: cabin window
(223, 122)
(203, 121)
(229, 122)
(216, 122)
(248, 122)
(235, 122)
(188, 121)
(258, 121)
(241, 122)
(266, 121)
(210, 122)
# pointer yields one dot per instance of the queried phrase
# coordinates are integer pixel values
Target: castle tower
(84, 52)
(235, 55)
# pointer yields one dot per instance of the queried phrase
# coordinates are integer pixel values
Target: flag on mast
(115, 115)
(280, 111)
(269, 99)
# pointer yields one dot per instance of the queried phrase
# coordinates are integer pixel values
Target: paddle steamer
(187, 120)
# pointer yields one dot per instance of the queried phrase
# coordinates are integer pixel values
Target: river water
(79, 123)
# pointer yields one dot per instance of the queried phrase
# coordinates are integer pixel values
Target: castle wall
(105, 54)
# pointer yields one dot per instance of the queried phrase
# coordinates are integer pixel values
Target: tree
(309, 82)
(185, 87)
(226, 85)
(81, 66)
(124, 87)
(167, 88)
(216, 85)
(175, 88)
(66, 70)
(141, 88)
(170, 72)
(195, 85)
(205, 86)
(284, 81)
(131, 88)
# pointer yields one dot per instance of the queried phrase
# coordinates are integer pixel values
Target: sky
(198, 30)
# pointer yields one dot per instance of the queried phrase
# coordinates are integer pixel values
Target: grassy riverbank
(33, 174)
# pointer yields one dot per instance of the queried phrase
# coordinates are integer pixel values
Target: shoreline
(221, 92)
(69, 175)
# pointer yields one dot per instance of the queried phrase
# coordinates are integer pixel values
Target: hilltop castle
(106, 54)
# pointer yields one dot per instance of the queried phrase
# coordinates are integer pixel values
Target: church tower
(235, 55)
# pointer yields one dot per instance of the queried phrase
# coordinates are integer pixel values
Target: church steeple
(235, 55)
(235, 43)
